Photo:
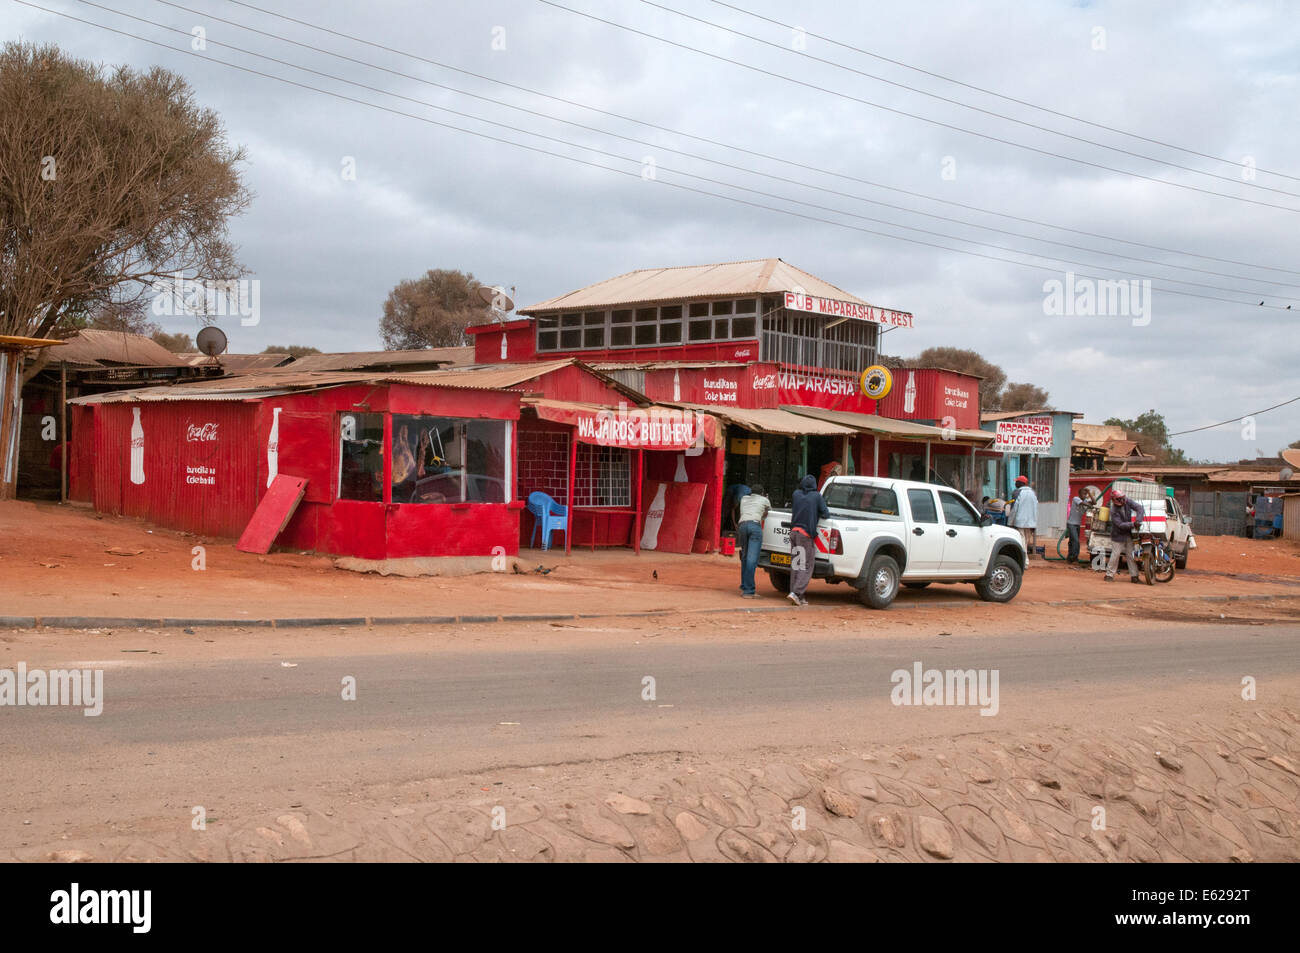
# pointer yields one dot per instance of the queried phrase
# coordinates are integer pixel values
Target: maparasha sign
(1024, 435)
(796, 301)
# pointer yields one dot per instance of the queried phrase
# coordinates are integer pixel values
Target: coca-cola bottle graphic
(137, 448)
(680, 476)
(503, 345)
(677, 385)
(909, 394)
(654, 518)
(273, 448)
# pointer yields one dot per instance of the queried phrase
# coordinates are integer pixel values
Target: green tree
(1152, 437)
(431, 311)
(293, 350)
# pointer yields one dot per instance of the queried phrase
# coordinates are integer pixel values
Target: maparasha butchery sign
(1024, 435)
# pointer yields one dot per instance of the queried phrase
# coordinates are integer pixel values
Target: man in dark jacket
(807, 509)
(1125, 516)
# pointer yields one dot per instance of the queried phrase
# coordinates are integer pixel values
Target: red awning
(646, 428)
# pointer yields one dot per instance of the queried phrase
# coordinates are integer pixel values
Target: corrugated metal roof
(1010, 414)
(106, 348)
(730, 279)
(1247, 476)
(282, 380)
(905, 429)
(234, 363)
(770, 420)
(12, 341)
(380, 360)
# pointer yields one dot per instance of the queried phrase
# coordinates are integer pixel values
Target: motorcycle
(1155, 558)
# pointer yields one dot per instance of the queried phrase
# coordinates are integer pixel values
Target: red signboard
(828, 391)
(795, 301)
(645, 428)
(944, 398)
(752, 385)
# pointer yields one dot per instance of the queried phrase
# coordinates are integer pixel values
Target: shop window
(907, 466)
(670, 333)
(722, 307)
(620, 328)
(743, 327)
(700, 330)
(700, 309)
(602, 476)
(448, 460)
(721, 328)
(361, 457)
(593, 329)
(1045, 479)
(548, 334)
(747, 306)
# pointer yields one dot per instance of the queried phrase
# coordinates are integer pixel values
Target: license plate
(780, 559)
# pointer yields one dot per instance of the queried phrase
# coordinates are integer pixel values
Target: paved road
(246, 730)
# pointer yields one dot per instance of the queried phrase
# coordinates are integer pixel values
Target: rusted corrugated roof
(107, 348)
(692, 282)
(380, 360)
(281, 380)
(770, 420)
(906, 429)
(234, 363)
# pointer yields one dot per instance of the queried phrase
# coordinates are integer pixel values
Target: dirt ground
(61, 560)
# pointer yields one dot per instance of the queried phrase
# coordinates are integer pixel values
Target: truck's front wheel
(881, 584)
(1002, 582)
(780, 580)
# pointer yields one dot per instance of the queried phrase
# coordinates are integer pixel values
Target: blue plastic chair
(547, 516)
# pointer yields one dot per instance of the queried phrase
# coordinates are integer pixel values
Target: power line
(935, 122)
(989, 92)
(724, 145)
(957, 102)
(728, 165)
(596, 165)
(1234, 420)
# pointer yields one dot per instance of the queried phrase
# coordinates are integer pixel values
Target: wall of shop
(933, 396)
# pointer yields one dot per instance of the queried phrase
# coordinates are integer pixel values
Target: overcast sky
(1215, 78)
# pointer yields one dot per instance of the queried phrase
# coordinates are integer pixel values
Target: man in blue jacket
(807, 509)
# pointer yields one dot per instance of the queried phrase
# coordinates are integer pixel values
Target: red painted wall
(81, 453)
(230, 439)
(937, 394)
(752, 385)
(826, 390)
(520, 342)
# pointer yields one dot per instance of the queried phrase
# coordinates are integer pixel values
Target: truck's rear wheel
(1002, 581)
(780, 580)
(881, 583)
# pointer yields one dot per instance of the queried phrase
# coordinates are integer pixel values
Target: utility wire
(989, 92)
(724, 145)
(653, 145)
(617, 157)
(1234, 420)
(596, 165)
(934, 122)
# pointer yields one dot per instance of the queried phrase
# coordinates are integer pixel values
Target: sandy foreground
(504, 740)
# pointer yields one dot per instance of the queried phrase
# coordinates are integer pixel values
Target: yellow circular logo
(876, 381)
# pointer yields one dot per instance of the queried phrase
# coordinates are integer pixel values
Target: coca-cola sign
(765, 382)
(201, 433)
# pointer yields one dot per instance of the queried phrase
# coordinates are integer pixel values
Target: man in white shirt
(749, 536)
(1024, 513)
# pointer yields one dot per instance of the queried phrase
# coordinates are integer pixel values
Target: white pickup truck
(885, 533)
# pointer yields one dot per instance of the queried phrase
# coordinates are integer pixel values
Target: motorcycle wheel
(1148, 568)
(1165, 571)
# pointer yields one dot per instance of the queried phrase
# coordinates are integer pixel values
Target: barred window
(602, 476)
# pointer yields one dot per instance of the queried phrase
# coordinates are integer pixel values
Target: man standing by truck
(749, 536)
(1125, 516)
(808, 509)
(1024, 514)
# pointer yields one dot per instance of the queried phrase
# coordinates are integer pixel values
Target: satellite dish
(1287, 473)
(211, 340)
(496, 299)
